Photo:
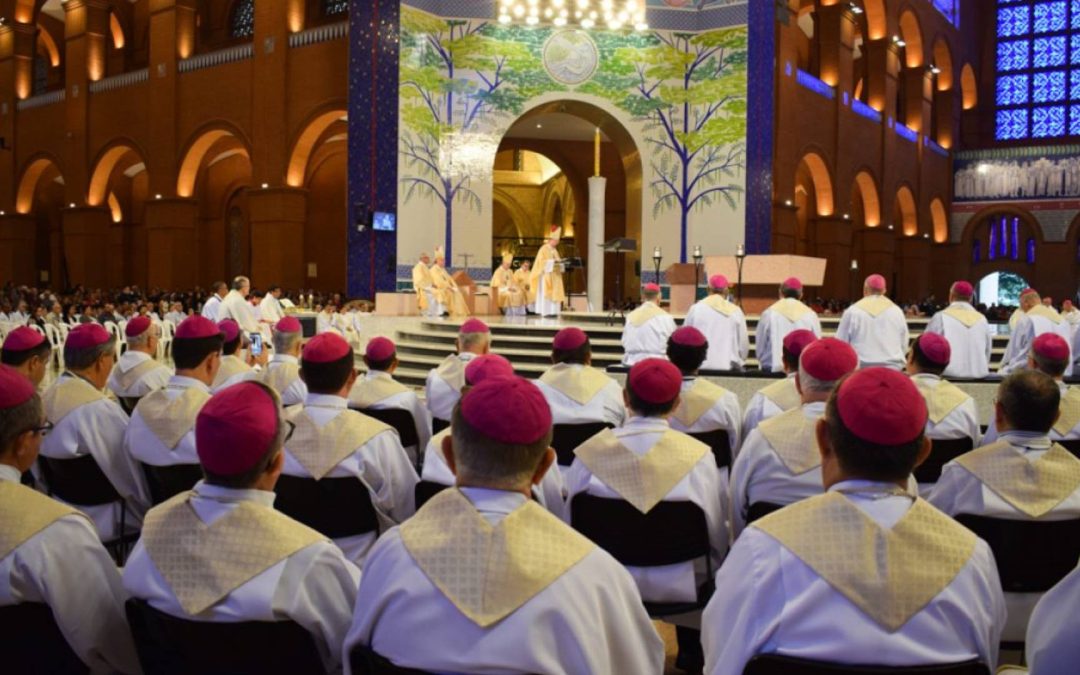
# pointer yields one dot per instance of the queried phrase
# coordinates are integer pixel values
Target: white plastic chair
(118, 334)
(165, 341)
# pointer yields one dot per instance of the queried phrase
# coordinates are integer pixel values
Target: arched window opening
(242, 21)
(335, 7)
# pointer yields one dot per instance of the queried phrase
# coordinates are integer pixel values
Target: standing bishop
(647, 328)
(876, 327)
(546, 280)
(1036, 320)
(783, 316)
(724, 324)
(968, 332)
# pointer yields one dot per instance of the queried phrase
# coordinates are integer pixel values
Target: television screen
(384, 222)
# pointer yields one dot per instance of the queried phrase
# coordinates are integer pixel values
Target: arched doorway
(40, 200)
(120, 182)
(1001, 289)
(813, 198)
(546, 156)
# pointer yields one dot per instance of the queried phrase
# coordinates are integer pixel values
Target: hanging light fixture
(612, 14)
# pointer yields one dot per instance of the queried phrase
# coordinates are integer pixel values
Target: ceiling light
(855, 9)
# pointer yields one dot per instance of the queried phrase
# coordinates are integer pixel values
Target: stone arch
(307, 141)
(31, 175)
(519, 216)
(867, 191)
(939, 220)
(969, 87)
(944, 62)
(196, 151)
(822, 183)
(907, 211)
(911, 34)
(113, 156)
(876, 20)
(48, 43)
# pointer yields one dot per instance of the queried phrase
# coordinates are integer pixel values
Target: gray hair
(18, 420)
(811, 385)
(285, 342)
(143, 338)
(470, 341)
(240, 282)
(81, 359)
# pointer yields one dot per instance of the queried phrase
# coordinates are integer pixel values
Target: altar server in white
(968, 332)
(724, 324)
(282, 373)
(1036, 320)
(379, 390)
(444, 383)
(876, 327)
(782, 395)
(331, 441)
(86, 421)
(1050, 355)
(577, 392)
(703, 405)
(137, 373)
(50, 553)
(294, 574)
(553, 602)
(783, 316)
(647, 328)
(235, 306)
(779, 463)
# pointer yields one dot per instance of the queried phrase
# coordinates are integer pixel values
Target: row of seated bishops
(874, 326)
(648, 501)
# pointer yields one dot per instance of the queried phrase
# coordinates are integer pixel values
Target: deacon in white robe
(296, 575)
(782, 317)
(968, 332)
(579, 612)
(782, 395)
(724, 324)
(282, 373)
(647, 329)
(378, 390)
(137, 373)
(876, 327)
(235, 306)
(1036, 320)
(444, 382)
(576, 392)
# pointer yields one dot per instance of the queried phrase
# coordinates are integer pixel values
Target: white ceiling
(54, 9)
(554, 127)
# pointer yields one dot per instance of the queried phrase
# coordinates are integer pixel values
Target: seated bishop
(951, 411)
(235, 367)
(968, 332)
(378, 390)
(1023, 475)
(198, 559)
(1050, 355)
(512, 297)
(538, 597)
(1051, 647)
(436, 468)
(876, 327)
(725, 325)
(331, 441)
(704, 406)
(87, 422)
(50, 553)
(426, 300)
(137, 373)
(783, 316)
(577, 392)
(444, 382)
(447, 293)
(780, 463)
(647, 328)
(800, 582)
(282, 373)
(28, 352)
(780, 396)
(162, 428)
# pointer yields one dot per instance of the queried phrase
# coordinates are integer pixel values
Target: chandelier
(614, 14)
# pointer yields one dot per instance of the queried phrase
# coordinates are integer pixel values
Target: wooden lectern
(468, 289)
(682, 280)
(763, 274)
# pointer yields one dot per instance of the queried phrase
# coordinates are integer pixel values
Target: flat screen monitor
(384, 222)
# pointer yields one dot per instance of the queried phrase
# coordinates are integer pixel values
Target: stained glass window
(1037, 93)
(335, 7)
(950, 8)
(242, 23)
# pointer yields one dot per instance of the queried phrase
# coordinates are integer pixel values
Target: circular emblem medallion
(571, 56)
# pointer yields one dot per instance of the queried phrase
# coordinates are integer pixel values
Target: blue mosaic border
(761, 90)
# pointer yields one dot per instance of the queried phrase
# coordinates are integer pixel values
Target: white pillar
(597, 188)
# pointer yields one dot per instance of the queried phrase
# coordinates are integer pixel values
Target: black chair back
(335, 507)
(941, 453)
(761, 509)
(720, 443)
(78, 481)
(772, 664)
(567, 437)
(1031, 555)
(32, 643)
(165, 482)
(168, 645)
(425, 490)
(1072, 446)
(366, 661)
(672, 532)
(438, 425)
(401, 420)
(128, 403)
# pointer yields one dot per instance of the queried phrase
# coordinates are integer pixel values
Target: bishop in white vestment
(378, 390)
(647, 329)
(1051, 647)
(968, 332)
(27, 351)
(876, 327)
(444, 382)
(282, 373)
(1036, 320)
(782, 395)
(576, 392)
(235, 306)
(704, 406)
(782, 317)
(234, 367)
(136, 373)
(724, 324)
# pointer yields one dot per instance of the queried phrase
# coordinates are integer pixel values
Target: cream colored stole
(968, 317)
(794, 440)
(578, 384)
(643, 314)
(783, 393)
(719, 304)
(24, 513)
(891, 575)
(790, 308)
(204, 563)
(230, 365)
(320, 449)
(1045, 312)
(642, 480)
(452, 370)
(281, 376)
(67, 394)
(1070, 411)
(369, 392)
(1034, 488)
(698, 400)
(171, 420)
(942, 399)
(874, 304)
(489, 571)
(130, 378)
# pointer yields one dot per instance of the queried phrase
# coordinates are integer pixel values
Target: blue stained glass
(992, 250)
(1074, 120)
(1031, 251)
(1074, 85)
(1049, 87)
(1012, 90)
(1048, 122)
(1014, 21)
(1049, 51)
(976, 252)
(1015, 55)
(1074, 49)
(1012, 124)
(1015, 243)
(1049, 17)
(1076, 14)
(1003, 238)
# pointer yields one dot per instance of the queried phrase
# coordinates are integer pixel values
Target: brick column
(86, 245)
(171, 227)
(18, 239)
(278, 217)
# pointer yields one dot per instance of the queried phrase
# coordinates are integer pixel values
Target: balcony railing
(814, 84)
(934, 147)
(218, 58)
(866, 111)
(120, 81)
(40, 100)
(904, 132)
(324, 33)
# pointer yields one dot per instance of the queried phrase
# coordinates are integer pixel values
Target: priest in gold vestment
(546, 280)
(446, 290)
(426, 301)
(511, 297)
